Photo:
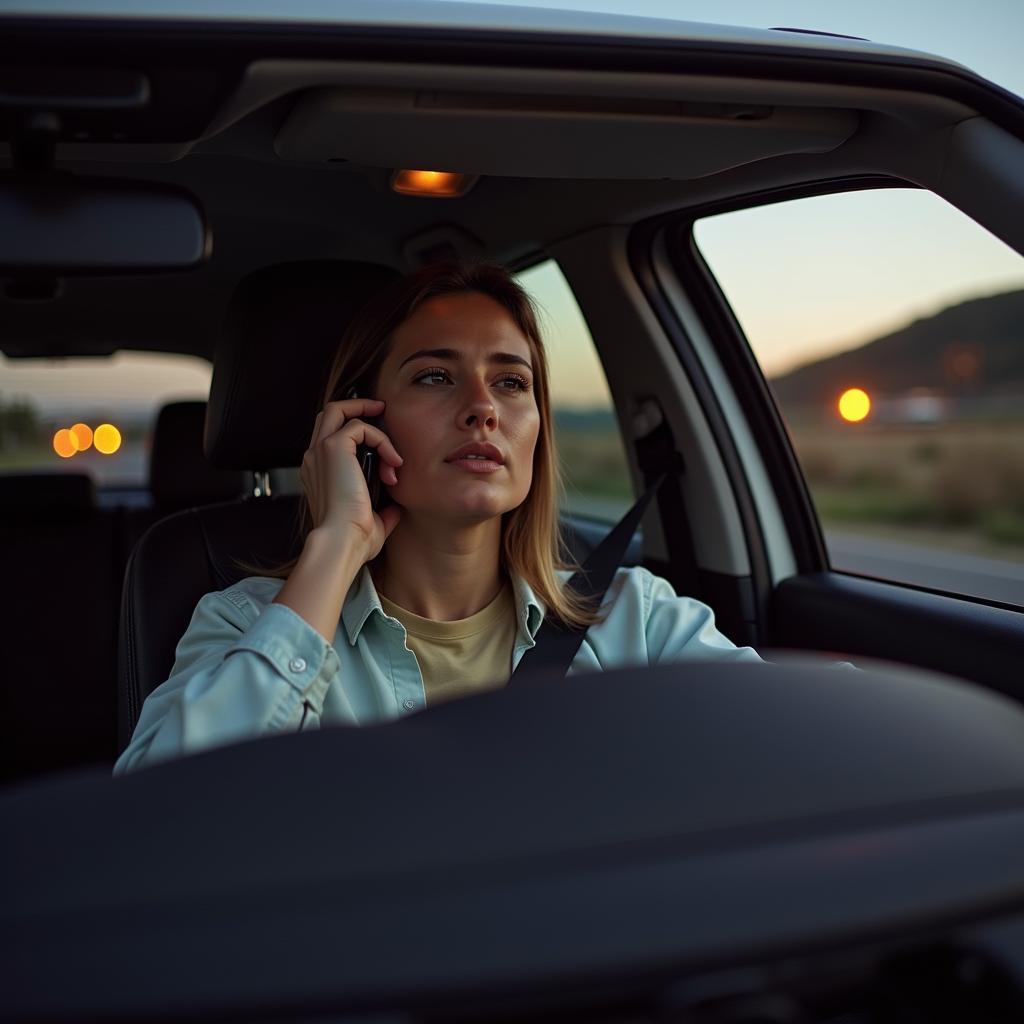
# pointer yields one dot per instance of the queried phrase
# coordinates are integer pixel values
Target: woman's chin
(476, 508)
(477, 502)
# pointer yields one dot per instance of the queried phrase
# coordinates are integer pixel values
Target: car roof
(251, 159)
(445, 15)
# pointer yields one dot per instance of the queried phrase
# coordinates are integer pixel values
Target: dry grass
(957, 476)
(594, 463)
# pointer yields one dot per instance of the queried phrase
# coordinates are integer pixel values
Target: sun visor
(550, 136)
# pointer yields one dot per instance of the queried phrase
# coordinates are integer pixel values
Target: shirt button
(297, 664)
(409, 704)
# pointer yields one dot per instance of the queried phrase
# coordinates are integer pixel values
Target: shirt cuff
(291, 645)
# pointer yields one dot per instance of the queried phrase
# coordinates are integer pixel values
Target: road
(922, 565)
(932, 567)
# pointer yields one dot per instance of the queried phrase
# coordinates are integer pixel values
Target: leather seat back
(281, 332)
(180, 475)
(176, 562)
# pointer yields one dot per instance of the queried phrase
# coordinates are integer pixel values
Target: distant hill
(974, 349)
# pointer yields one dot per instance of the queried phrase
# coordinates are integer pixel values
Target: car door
(901, 529)
(917, 556)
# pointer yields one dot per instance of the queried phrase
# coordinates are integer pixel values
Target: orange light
(107, 438)
(854, 405)
(430, 183)
(64, 443)
(82, 436)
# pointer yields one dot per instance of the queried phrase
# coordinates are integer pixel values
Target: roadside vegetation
(961, 479)
(948, 485)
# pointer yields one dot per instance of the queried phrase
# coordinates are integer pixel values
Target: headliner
(265, 209)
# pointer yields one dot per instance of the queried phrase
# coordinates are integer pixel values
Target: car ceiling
(247, 143)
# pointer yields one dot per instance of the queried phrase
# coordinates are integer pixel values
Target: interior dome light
(431, 183)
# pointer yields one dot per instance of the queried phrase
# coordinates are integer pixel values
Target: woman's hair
(532, 545)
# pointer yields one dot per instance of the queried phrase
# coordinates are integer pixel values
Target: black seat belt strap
(556, 645)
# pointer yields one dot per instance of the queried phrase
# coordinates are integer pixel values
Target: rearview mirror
(99, 227)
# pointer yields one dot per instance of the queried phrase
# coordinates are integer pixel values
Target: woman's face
(460, 373)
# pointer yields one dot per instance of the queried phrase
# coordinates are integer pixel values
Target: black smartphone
(368, 460)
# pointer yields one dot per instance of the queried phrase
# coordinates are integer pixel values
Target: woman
(439, 591)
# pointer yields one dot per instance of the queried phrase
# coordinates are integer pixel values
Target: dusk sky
(820, 275)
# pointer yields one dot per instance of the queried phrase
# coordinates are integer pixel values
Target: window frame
(750, 385)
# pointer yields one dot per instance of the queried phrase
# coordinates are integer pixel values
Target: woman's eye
(429, 375)
(509, 382)
(518, 383)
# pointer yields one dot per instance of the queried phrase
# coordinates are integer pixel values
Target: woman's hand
(339, 501)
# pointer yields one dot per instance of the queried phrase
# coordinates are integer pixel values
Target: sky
(127, 384)
(814, 276)
(984, 35)
(778, 267)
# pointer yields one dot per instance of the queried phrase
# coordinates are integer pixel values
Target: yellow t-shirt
(463, 656)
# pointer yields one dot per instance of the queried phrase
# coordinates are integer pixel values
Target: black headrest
(180, 475)
(46, 498)
(281, 332)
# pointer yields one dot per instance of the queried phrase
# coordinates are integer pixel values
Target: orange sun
(854, 405)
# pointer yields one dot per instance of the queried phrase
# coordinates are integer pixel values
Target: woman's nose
(479, 409)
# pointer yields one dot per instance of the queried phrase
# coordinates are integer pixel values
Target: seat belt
(556, 644)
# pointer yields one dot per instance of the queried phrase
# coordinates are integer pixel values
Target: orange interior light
(82, 435)
(107, 438)
(854, 405)
(430, 183)
(64, 443)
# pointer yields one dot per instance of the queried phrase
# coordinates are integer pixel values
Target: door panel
(847, 615)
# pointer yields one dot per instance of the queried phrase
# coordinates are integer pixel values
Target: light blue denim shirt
(248, 667)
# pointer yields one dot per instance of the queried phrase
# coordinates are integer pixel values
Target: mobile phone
(368, 461)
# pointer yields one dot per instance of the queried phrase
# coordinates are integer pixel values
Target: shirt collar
(530, 610)
(363, 600)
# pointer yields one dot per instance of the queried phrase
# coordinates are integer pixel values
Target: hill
(974, 349)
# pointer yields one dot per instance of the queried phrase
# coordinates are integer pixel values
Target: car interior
(270, 157)
(291, 162)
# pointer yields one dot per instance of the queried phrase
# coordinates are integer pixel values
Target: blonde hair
(533, 546)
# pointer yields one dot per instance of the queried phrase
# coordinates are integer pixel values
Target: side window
(891, 330)
(91, 415)
(590, 449)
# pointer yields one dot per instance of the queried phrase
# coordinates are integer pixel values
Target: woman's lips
(476, 465)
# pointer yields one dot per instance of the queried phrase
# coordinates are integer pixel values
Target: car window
(891, 330)
(91, 415)
(590, 448)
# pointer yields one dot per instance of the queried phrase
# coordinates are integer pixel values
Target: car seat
(180, 475)
(281, 331)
